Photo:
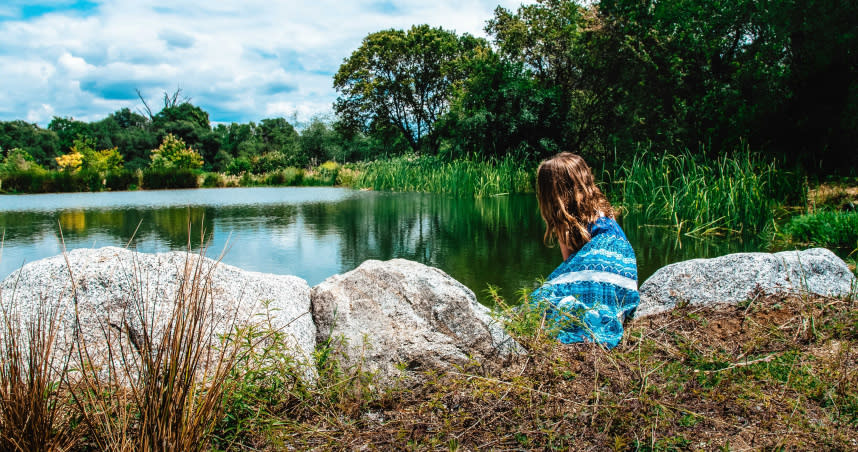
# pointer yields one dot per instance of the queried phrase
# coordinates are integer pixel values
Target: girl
(595, 288)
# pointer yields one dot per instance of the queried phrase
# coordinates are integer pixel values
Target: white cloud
(239, 60)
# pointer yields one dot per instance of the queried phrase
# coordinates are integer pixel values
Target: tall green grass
(735, 193)
(434, 175)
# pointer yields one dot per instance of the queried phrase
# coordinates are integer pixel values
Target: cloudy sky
(239, 60)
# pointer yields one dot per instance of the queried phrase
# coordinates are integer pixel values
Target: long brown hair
(569, 200)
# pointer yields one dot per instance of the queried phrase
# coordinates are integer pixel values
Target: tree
(549, 41)
(402, 80)
(319, 142)
(131, 133)
(174, 153)
(191, 124)
(502, 110)
(41, 144)
(68, 130)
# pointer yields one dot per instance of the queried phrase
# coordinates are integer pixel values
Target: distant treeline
(235, 148)
(778, 77)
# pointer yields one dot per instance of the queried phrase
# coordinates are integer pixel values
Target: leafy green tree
(191, 124)
(68, 130)
(549, 40)
(320, 142)
(174, 153)
(278, 135)
(230, 137)
(781, 76)
(127, 131)
(501, 109)
(41, 144)
(401, 80)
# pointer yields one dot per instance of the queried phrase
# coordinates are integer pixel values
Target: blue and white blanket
(591, 293)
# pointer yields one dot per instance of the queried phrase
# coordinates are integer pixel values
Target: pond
(318, 232)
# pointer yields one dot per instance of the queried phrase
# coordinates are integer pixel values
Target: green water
(318, 232)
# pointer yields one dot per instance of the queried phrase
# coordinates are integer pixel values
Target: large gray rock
(117, 288)
(736, 277)
(401, 314)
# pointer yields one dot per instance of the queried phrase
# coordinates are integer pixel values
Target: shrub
(213, 180)
(169, 178)
(30, 181)
(18, 160)
(238, 166)
(269, 162)
(123, 179)
(830, 229)
(174, 153)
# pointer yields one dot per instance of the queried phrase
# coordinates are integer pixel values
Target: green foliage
(239, 166)
(402, 80)
(123, 179)
(174, 177)
(83, 155)
(287, 176)
(501, 110)
(320, 142)
(270, 161)
(738, 193)
(830, 229)
(174, 153)
(17, 160)
(68, 130)
(211, 180)
(43, 145)
(434, 175)
(549, 41)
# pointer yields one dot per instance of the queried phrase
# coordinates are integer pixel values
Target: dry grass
(150, 385)
(34, 404)
(165, 382)
(838, 196)
(773, 373)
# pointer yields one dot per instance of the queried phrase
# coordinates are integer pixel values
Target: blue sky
(239, 60)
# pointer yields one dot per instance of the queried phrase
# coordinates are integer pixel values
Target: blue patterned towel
(590, 294)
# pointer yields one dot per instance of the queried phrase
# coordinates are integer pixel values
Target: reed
(458, 177)
(35, 409)
(163, 384)
(735, 193)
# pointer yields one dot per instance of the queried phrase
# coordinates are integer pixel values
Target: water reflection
(318, 232)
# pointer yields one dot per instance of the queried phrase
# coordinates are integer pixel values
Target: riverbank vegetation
(769, 373)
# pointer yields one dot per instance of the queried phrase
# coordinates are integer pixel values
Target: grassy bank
(772, 373)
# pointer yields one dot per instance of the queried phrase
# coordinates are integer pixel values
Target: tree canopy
(401, 79)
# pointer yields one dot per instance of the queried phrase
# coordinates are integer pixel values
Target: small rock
(736, 277)
(400, 314)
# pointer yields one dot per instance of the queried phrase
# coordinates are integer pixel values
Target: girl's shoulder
(605, 225)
